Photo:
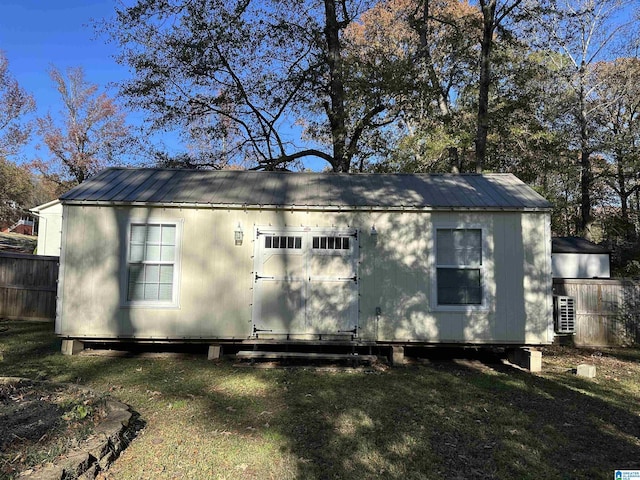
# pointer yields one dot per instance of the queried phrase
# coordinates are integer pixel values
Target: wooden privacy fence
(28, 285)
(607, 310)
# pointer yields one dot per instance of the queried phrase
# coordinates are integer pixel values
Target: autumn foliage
(89, 134)
(15, 103)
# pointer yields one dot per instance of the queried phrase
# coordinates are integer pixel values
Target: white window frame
(484, 267)
(280, 250)
(346, 252)
(174, 302)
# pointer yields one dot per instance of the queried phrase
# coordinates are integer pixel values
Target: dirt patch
(41, 421)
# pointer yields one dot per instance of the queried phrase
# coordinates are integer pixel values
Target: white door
(306, 281)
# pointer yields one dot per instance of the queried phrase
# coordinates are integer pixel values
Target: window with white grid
(151, 263)
(459, 266)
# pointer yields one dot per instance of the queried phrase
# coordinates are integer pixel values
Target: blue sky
(37, 34)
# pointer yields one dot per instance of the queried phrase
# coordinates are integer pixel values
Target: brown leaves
(15, 102)
(92, 135)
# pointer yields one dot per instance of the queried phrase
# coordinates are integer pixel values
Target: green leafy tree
(15, 192)
(496, 15)
(422, 54)
(270, 83)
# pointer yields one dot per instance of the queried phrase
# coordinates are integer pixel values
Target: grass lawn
(443, 418)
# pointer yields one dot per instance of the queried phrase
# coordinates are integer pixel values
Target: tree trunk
(488, 27)
(336, 110)
(454, 160)
(422, 27)
(586, 175)
(586, 179)
(622, 190)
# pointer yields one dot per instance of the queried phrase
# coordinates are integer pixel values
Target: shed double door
(306, 281)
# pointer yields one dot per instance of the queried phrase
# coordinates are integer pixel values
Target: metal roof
(321, 190)
(576, 245)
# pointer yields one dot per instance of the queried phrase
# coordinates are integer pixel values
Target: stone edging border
(110, 437)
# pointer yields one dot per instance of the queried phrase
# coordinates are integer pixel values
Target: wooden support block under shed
(586, 370)
(215, 352)
(526, 358)
(397, 355)
(72, 347)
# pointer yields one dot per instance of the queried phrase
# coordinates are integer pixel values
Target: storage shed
(226, 256)
(577, 257)
(49, 228)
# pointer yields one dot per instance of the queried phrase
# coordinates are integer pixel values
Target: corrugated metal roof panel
(576, 245)
(252, 188)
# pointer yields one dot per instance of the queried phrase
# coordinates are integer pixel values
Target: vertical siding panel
(504, 251)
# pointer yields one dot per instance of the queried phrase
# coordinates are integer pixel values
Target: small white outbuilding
(577, 257)
(177, 255)
(49, 228)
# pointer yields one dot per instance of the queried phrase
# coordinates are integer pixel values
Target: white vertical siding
(395, 275)
(49, 230)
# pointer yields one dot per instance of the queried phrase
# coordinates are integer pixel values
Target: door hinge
(353, 331)
(354, 278)
(260, 277)
(256, 330)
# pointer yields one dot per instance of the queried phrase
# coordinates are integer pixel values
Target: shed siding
(395, 274)
(580, 265)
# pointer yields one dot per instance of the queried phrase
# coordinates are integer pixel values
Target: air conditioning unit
(564, 314)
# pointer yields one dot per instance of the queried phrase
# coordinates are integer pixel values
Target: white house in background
(231, 256)
(49, 228)
(576, 257)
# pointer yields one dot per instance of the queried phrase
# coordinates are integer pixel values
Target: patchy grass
(468, 417)
(41, 421)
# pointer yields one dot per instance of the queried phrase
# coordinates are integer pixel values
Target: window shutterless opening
(459, 266)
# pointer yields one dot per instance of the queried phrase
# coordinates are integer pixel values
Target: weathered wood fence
(607, 310)
(28, 286)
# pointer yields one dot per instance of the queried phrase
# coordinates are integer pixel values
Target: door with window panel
(333, 284)
(305, 281)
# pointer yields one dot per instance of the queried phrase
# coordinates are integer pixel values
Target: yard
(471, 417)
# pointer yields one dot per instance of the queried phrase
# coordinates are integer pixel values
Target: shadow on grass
(470, 417)
(453, 421)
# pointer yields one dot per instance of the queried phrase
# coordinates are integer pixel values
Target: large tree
(421, 55)
(89, 133)
(496, 16)
(15, 181)
(584, 32)
(270, 82)
(618, 94)
(15, 103)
